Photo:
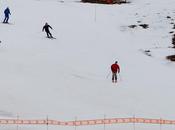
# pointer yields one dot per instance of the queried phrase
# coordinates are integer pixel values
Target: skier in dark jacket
(46, 29)
(7, 13)
(115, 68)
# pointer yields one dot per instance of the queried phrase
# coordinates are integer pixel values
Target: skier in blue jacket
(7, 13)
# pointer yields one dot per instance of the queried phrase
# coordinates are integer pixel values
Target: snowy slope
(67, 77)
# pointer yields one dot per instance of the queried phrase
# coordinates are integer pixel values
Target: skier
(6, 12)
(46, 29)
(115, 68)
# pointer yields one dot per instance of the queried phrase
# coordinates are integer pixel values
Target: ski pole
(120, 76)
(108, 74)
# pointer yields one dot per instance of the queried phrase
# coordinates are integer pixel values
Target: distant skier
(115, 68)
(7, 13)
(46, 29)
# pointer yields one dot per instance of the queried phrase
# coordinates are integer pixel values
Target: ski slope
(67, 77)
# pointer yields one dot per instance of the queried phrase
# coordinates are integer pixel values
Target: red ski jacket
(115, 68)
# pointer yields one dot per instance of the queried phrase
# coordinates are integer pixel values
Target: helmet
(116, 62)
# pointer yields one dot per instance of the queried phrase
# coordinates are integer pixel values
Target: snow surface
(68, 77)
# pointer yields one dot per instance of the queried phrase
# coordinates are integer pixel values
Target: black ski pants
(6, 20)
(49, 35)
(114, 76)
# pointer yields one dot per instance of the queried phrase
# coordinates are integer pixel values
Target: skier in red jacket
(115, 68)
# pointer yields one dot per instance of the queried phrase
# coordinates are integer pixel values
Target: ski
(7, 23)
(51, 38)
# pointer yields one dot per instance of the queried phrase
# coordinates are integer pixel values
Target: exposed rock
(145, 26)
(138, 21)
(173, 40)
(168, 17)
(132, 26)
(171, 57)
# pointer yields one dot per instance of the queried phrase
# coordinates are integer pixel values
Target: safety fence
(86, 122)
